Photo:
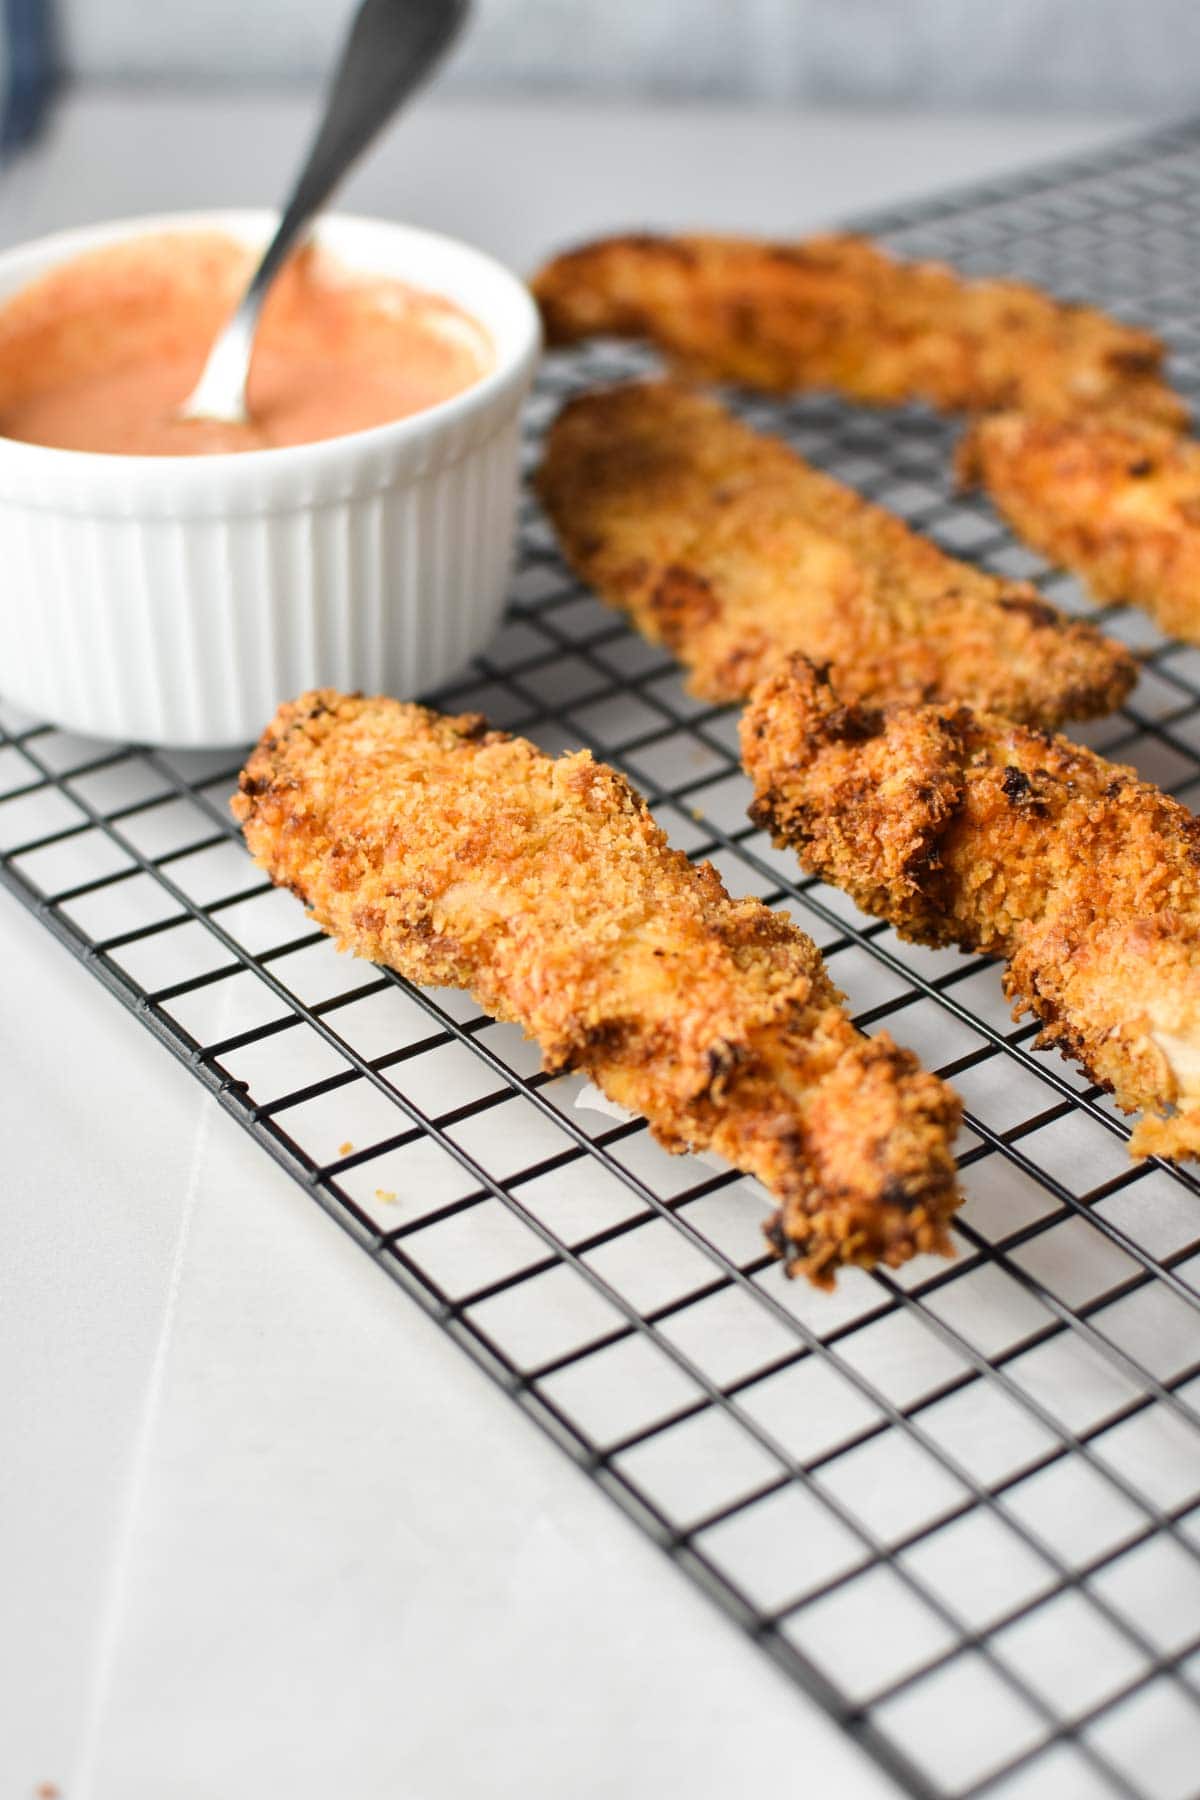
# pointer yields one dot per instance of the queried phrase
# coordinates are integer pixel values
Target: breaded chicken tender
(464, 858)
(837, 312)
(1117, 503)
(733, 551)
(963, 828)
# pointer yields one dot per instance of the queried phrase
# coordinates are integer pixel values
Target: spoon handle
(391, 47)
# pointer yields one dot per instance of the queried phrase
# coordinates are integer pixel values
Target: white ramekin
(177, 600)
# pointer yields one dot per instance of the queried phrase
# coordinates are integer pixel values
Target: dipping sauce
(99, 353)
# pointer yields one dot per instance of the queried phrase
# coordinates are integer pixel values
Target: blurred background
(553, 119)
(1022, 54)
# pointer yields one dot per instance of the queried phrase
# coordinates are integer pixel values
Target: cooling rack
(958, 1504)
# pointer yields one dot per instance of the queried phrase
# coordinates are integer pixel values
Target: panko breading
(1117, 503)
(963, 828)
(732, 550)
(465, 858)
(837, 312)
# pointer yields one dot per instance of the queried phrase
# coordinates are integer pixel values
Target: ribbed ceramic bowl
(177, 600)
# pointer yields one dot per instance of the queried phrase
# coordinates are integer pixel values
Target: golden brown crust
(837, 312)
(1118, 503)
(733, 551)
(465, 858)
(963, 828)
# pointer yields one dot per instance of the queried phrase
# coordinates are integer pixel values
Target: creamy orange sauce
(99, 353)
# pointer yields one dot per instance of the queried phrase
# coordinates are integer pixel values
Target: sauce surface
(99, 353)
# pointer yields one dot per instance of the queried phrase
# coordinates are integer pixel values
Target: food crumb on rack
(346, 1148)
(384, 1194)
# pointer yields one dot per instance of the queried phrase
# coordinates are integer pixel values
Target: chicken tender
(1117, 503)
(963, 828)
(730, 549)
(464, 858)
(837, 312)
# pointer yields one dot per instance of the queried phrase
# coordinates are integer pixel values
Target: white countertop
(264, 1529)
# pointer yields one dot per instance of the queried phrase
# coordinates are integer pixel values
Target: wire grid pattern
(959, 1504)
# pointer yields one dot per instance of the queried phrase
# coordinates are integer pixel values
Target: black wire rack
(959, 1504)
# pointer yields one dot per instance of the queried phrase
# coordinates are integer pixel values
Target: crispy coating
(963, 828)
(732, 550)
(1118, 503)
(465, 858)
(837, 312)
